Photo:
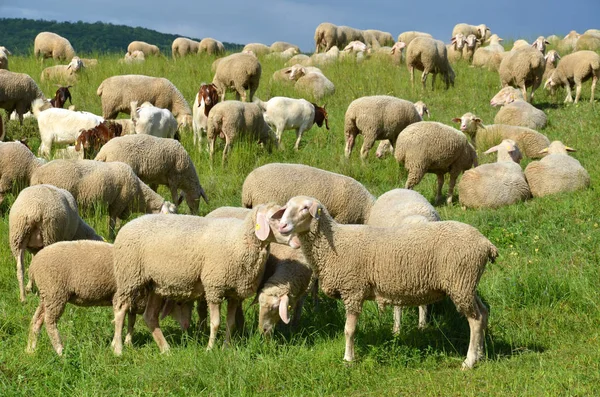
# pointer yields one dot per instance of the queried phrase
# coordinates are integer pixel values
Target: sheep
(516, 111)
(455, 48)
(471, 45)
(519, 44)
(523, 68)
(147, 49)
(432, 147)
(497, 184)
(483, 55)
(328, 35)
(281, 46)
(218, 258)
(79, 272)
(257, 48)
(239, 72)
(556, 173)
(311, 81)
(377, 38)
(377, 117)
(552, 59)
(568, 43)
(385, 147)
(114, 184)
(540, 43)
(117, 92)
(482, 32)
(134, 57)
(42, 215)
(211, 46)
(349, 201)
(407, 37)
(17, 91)
(284, 55)
(232, 119)
(292, 114)
(151, 120)
(360, 262)
(63, 73)
(51, 45)
(61, 126)
(430, 56)
(301, 59)
(157, 161)
(574, 69)
(356, 46)
(205, 99)
(89, 62)
(17, 163)
(588, 41)
(4, 53)
(183, 46)
(328, 57)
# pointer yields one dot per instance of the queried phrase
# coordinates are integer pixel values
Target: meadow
(542, 292)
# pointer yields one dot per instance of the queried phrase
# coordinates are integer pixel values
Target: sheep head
(297, 216)
(507, 151)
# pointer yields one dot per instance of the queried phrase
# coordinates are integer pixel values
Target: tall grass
(542, 291)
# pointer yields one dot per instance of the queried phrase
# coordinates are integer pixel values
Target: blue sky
(245, 21)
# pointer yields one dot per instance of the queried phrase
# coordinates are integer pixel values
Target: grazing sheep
(281, 46)
(497, 184)
(63, 73)
(516, 111)
(552, 59)
(17, 91)
(51, 45)
(574, 69)
(431, 147)
(482, 32)
(377, 117)
(183, 46)
(414, 265)
(206, 98)
(588, 41)
(257, 48)
(430, 56)
(556, 173)
(328, 35)
(117, 93)
(311, 81)
(292, 114)
(377, 38)
(484, 136)
(147, 49)
(42, 215)
(4, 53)
(349, 201)
(211, 46)
(483, 55)
(385, 147)
(239, 72)
(114, 184)
(151, 120)
(523, 68)
(158, 161)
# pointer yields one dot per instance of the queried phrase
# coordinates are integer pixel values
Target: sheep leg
(424, 79)
(131, 317)
(297, 312)
(232, 307)
(350, 138)
(367, 145)
(226, 150)
(215, 321)
(433, 77)
(151, 318)
(240, 321)
(569, 97)
(21, 273)
(36, 326)
(477, 325)
(414, 177)
(397, 320)
(422, 316)
(349, 331)
(453, 177)
(211, 148)
(120, 310)
(594, 81)
(577, 91)
(411, 69)
(51, 315)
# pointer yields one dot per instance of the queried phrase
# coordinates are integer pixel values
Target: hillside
(18, 34)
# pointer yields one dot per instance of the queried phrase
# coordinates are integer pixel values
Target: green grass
(542, 291)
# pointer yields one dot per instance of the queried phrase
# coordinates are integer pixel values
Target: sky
(258, 21)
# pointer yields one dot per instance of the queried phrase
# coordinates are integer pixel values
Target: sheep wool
(51, 45)
(211, 46)
(183, 46)
(147, 49)
(4, 53)
(17, 163)
(17, 91)
(238, 72)
(523, 68)
(516, 111)
(577, 67)
(430, 56)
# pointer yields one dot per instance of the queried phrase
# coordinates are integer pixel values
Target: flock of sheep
(327, 229)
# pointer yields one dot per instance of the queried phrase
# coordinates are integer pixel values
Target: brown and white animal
(206, 98)
(93, 139)
(61, 96)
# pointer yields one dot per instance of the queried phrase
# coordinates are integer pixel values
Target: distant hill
(17, 34)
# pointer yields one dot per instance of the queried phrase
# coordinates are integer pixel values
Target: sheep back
(556, 173)
(392, 208)
(17, 91)
(238, 71)
(51, 45)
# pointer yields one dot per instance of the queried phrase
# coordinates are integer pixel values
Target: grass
(542, 292)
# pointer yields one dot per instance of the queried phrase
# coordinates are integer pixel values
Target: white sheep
(17, 163)
(282, 46)
(147, 49)
(283, 55)
(328, 35)
(17, 92)
(455, 48)
(151, 120)
(576, 68)
(590, 41)
(183, 46)
(42, 215)
(61, 126)
(482, 32)
(403, 266)
(430, 56)
(2, 130)
(523, 68)
(407, 37)
(568, 43)
(134, 57)
(328, 57)
(259, 49)
(311, 81)
(292, 114)
(471, 45)
(483, 55)
(385, 147)
(211, 46)
(51, 45)
(516, 111)
(239, 72)
(556, 173)
(4, 53)
(157, 161)
(63, 73)
(552, 58)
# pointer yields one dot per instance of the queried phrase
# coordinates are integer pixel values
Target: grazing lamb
(516, 111)
(292, 114)
(63, 73)
(4, 53)
(431, 147)
(51, 45)
(42, 215)
(152, 120)
(17, 92)
(147, 49)
(206, 98)
(17, 163)
(574, 69)
(430, 56)
(343, 256)
(238, 72)
(523, 68)
(556, 173)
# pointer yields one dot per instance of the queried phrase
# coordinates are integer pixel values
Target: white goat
(151, 120)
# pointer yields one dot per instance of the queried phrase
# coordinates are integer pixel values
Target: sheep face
(296, 72)
(272, 308)
(505, 96)
(297, 216)
(168, 208)
(384, 148)
(468, 123)
(398, 47)
(557, 147)
(507, 149)
(458, 41)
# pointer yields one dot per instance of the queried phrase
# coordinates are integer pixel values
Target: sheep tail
(36, 106)
(261, 104)
(99, 90)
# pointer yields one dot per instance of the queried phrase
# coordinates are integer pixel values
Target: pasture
(543, 291)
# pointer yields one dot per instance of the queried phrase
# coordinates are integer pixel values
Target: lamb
(516, 111)
(431, 147)
(484, 136)
(117, 92)
(229, 266)
(456, 255)
(232, 119)
(407, 37)
(147, 49)
(183, 46)
(356, 46)
(114, 184)
(239, 72)
(151, 120)
(42, 215)
(311, 82)
(349, 201)
(63, 73)
(377, 117)
(497, 184)
(206, 98)
(79, 272)
(523, 68)
(17, 91)
(281, 46)
(4, 53)
(292, 114)
(17, 163)
(482, 32)
(552, 59)
(158, 161)
(430, 56)
(575, 68)
(455, 48)
(483, 55)
(61, 126)
(556, 173)
(51, 45)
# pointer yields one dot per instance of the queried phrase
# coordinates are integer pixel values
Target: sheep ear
(477, 120)
(456, 119)
(278, 214)
(492, 149)
(284, 302)
(315, 210)
(545, 150)
(570, 149)
(262, 229)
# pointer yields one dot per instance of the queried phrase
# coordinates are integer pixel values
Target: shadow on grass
(547, 105)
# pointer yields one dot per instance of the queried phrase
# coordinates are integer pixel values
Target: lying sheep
(523, 68)
(497, 184)
(206, 98)
(343, 256)
(483, 55)
(239, 72)
(211, 46)
(158, 161)
(63, 73)
(4, 53)
(556, 173)
(301, 59)
(42, 215)
(349, 201)
(311, 81)
(284, 55)
(281, 46)
(378, 117)
(113, 184)
(259, 49)
(51, 45)
(134, 57)
(17, 92)
(147, 49)
(430, 56)
(17, 163)
(588, 41)
(431, 147)
(151, 120)
(574, 69)
(292, 114)
(183, 46)
(516, 111)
